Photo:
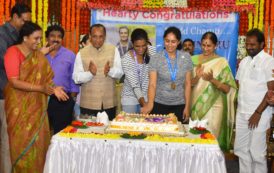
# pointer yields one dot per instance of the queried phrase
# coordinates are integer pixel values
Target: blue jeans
(131, 108)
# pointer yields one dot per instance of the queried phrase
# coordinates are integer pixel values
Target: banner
(192, 25)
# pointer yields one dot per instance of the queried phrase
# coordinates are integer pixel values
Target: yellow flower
(134, 133)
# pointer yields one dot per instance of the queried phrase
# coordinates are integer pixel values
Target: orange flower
(77, 123)
(207, 136)
(1, 12)
(77, 29)
(7, 10)
(69, 129)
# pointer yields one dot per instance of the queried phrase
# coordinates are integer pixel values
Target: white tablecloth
(81, 155)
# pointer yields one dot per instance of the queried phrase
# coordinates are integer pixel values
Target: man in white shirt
(96, 68)
(253, 115)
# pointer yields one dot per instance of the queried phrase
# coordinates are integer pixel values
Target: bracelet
(260, 113)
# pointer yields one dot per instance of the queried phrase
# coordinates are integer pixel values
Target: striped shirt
(135, 86)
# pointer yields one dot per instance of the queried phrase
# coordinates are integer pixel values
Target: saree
(214, 105)
(27, 119)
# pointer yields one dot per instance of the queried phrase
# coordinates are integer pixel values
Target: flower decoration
(7, 10)
(77, 123)
(198, 130)
(1, 12)
(261, 15)
(77, 29)
(266, 23)
(40, 13)
(175, 3)
(153, 3)
(73, 7)
(69, 129)
(207, 136)
(134, 135)
(45, 19)
(33, 11)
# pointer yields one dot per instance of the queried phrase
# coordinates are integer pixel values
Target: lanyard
(172, 71)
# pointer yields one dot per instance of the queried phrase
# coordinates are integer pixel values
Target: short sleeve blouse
(12, 61)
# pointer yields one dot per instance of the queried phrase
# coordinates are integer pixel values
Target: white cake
(145, 123)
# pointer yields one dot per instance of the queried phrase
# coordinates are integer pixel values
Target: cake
(145, 123)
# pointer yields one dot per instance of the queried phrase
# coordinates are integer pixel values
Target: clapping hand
(208, 76)
(107, 68)
(199, 70)
(92, 68)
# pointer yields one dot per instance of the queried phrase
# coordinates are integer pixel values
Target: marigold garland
(256, 15)
(7, 10)
(1, 12)
(245, 2)
(266, 24)
(12, 3)
(68, 26)
(261, 15)
(73, 4)
(271, 27)
(153, 138)
(33, 11)
(77, 37)
(45, 20)
(250, 20)
(63, 15)
(175, 3)
(40, 13)
(153, 4)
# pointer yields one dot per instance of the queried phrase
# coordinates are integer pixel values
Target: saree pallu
(210, 103)
(27, 120)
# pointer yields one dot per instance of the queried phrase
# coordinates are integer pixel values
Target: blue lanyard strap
(172, 71)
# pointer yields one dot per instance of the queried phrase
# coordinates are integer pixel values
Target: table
(84, 155)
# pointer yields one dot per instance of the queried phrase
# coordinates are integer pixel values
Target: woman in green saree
(214, 91)
(30, 83)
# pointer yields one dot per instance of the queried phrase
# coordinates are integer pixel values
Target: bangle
(260, 113)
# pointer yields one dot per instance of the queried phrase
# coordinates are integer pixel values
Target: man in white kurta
(253, 114)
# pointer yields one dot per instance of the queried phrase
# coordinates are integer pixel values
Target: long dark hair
(174, 30)
(141, 34)
(27, 29)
